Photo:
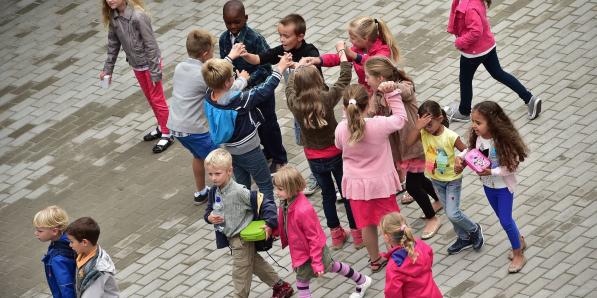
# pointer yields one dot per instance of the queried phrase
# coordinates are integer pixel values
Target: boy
(240, 136)
(238, 32)
(187, 121)
(95, 269)
(234, 216)
(59, 261)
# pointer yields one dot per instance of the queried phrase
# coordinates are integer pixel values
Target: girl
(410, 159)
(493, 133)
(370, 179)
(409, 272)
(130, 27)
(438, 144)
(313, 109)
(369, 37)
(301, 231)
(468, 22)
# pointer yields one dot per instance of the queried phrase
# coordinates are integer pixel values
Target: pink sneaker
(357, 238)
(339, 237)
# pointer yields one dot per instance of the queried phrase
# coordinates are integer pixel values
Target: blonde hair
(219, 159)
(290, 180)
(309, 85)
(216, 72)
(396, 227)
(51, 217)
(356, 122)
(199, 41)
(107, 11)
(380, 66)
(371, 28)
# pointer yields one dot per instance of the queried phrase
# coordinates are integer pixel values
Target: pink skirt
(370, 212)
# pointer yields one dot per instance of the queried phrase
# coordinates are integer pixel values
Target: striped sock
(348, 272)
(303, 288)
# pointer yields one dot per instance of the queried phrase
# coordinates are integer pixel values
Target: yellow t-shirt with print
(439, 155)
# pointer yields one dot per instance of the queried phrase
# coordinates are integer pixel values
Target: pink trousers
(155, 96)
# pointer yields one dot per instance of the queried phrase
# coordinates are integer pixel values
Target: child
(370, 179)
(409, 272)
(493, 133)
(236, 214)
(369, 37)
(302, 232)
(313, 108)
(247, 157)
(95, 269)
(468, 22)
(130, 27)
(59, 261)
(238, 32)
(187, 121)
(410, 159)
(438, 144)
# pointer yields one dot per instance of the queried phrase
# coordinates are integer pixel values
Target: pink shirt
(468, 21)
(369, 171)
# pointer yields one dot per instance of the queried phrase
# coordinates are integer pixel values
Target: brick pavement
(65, 141)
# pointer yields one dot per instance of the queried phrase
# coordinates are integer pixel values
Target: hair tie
(375, 21)
(352, 101)
(402, 227)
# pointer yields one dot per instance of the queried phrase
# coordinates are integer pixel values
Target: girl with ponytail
(409, 271)
(370, 180)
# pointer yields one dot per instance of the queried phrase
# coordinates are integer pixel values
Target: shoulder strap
(256, 201)
(211, 194)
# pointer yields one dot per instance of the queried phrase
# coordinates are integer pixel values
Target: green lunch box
(254, 231)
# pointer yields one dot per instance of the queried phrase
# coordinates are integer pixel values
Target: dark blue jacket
(249, 116)
(60, 265)
(255, 44)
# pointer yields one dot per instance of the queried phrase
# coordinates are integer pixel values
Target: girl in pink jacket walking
(409, 270)
(300, 230)
(474, 39)
(370, 180)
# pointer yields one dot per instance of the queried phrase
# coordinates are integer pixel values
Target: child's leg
(241, 174)
(242, 266)
(462, 224)
(416, 189)
(256, 164)
(337, 171)
(468, 67)
(492, 64)
(264, 270)
(348, 272)
(302, 285)
(321, 169)
(501, 201)
(155, 96)
(199, 173)
(270, 134)
(371, 241)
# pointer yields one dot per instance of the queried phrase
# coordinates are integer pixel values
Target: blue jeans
(253, 164)
(468, 66)
(501, 200)
(449, 196)
(323, 169)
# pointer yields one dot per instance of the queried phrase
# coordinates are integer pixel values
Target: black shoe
(200, 199)
(163, 144)
(459, 245)
(477, 238)
(275, 167)
(153, 135)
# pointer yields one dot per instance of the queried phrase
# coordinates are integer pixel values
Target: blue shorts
(200, 145)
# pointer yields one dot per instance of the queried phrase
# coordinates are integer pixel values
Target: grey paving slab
(65, 141)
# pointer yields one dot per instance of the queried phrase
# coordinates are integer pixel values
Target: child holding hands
(301, 232)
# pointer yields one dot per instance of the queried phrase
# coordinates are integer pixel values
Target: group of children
(384, 138)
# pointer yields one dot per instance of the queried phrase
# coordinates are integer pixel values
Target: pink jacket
(369, 171)
(378, 48)
(305, 235)
(407, 279)
(468, 21)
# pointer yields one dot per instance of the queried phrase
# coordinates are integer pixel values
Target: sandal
(163, 144)
(516, 269)
(406, 199)
(378, 264)
(153, 135)
(523, 245)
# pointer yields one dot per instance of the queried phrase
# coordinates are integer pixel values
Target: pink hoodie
(468, 21)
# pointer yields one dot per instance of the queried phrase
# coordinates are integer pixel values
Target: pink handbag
(476, 160)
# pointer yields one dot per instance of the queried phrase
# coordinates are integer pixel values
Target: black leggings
(418, 186)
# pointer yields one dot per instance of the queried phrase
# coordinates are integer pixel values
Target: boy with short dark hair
(95, 269)
(238, 31)
(187, 121)
(234, 213)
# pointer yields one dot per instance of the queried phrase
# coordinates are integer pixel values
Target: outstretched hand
(237, 50)
(306, 61)
(386, 87)
(285, 62)
(243, 74)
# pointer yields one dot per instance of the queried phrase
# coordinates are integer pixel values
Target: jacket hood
(404, 264)
(104, 262)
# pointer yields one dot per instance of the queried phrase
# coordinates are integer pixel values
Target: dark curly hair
(511, 149)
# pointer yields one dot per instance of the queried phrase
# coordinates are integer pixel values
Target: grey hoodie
(104, 284)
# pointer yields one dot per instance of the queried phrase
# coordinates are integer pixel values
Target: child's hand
(285, 62)
(486, 172)
(318, 274)
(423, 121)
(268, 231)
(103, 74)
(386, 87)
(340, 46)
(243, 74)
(236, 51)
(458, 165)
(306, 61)
(215, 219)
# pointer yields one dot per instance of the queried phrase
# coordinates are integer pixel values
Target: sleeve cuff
(277, 74)
(358, 59)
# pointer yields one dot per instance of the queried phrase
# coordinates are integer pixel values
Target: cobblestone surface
(65, 141)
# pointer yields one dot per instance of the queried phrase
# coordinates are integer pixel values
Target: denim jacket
(132, 30)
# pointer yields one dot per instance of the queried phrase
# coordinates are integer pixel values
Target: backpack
(221, 122)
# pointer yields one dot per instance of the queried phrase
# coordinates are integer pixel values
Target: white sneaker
(534, 107)
(312, 186)
(360, 293)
